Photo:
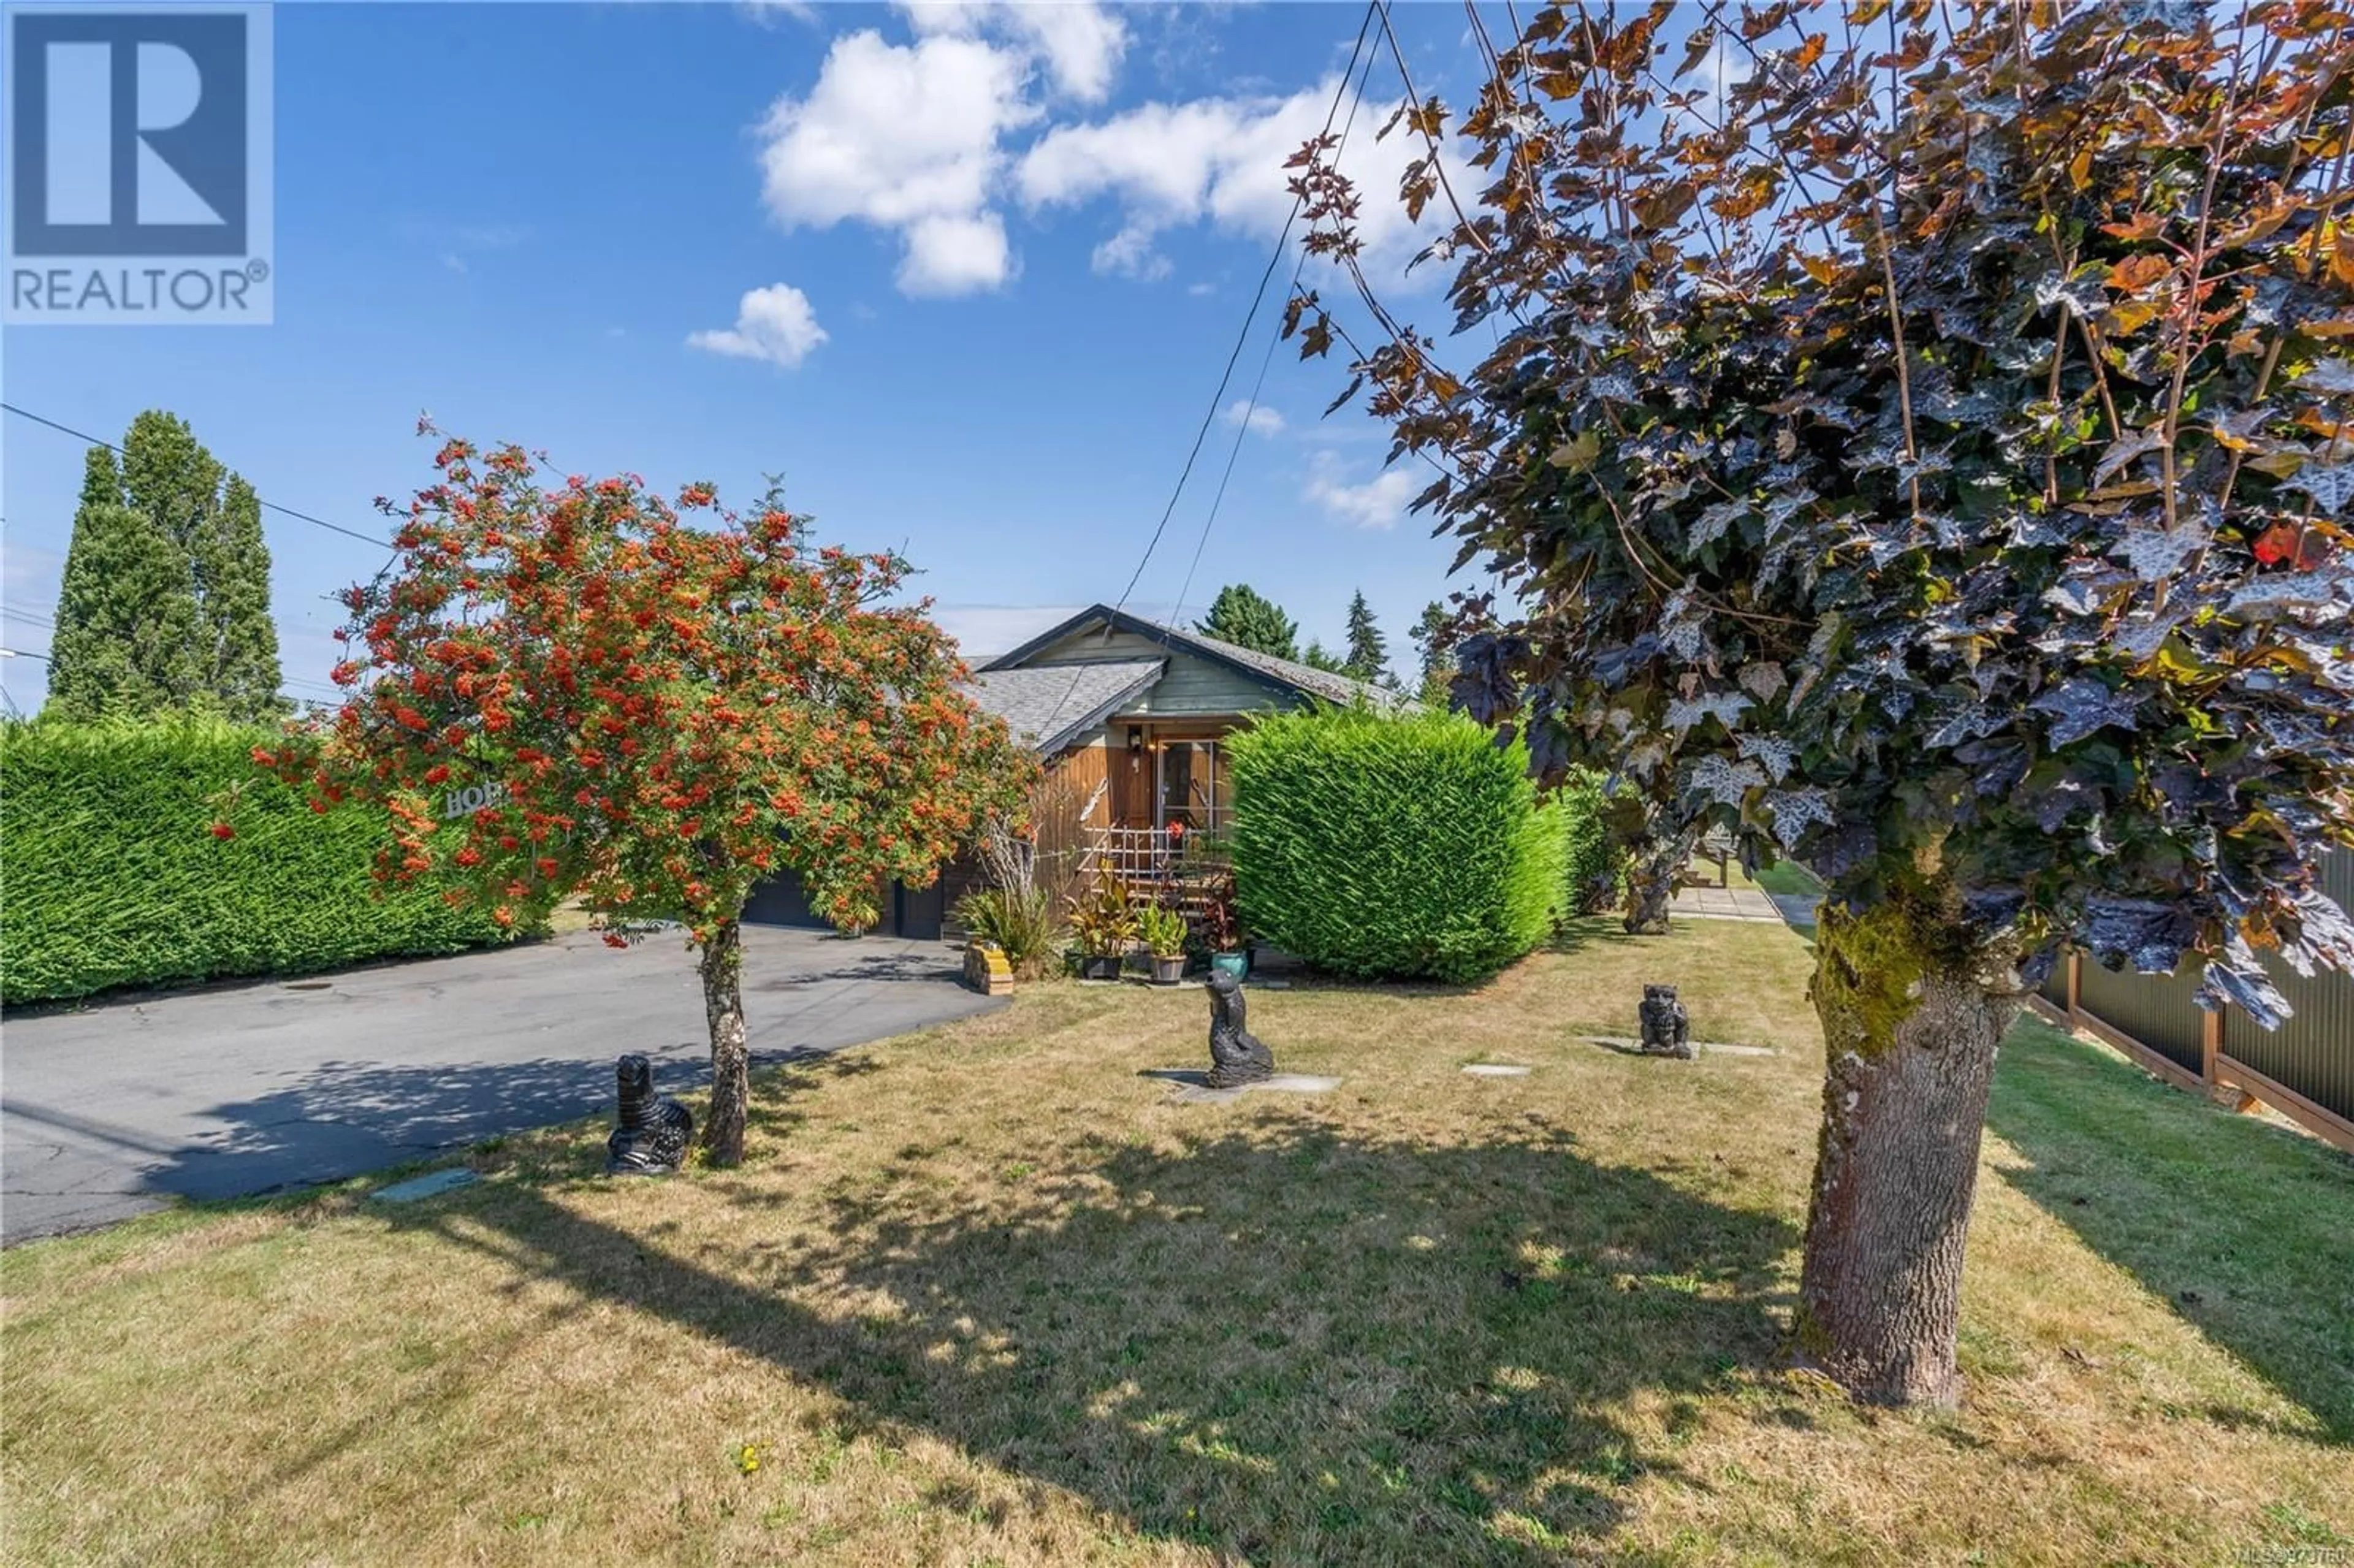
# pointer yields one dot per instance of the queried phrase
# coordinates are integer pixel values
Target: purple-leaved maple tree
(1919, 444)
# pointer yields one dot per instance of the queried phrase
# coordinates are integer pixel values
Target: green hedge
(1405, 847)
(1597, 859)
(111, 876)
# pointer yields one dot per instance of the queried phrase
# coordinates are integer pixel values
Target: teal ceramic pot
(1234, 964)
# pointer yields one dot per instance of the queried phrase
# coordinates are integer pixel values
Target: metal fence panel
(2155, 1010)
(2313, 1053)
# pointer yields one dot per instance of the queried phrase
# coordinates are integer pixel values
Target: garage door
(780, 901)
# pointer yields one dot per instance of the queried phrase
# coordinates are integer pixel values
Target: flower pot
(1168, 970)
(1236, 964)
(1100, 965)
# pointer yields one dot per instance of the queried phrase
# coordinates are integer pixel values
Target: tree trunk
(1911, 1009)
(722, 968)
(1652, 879)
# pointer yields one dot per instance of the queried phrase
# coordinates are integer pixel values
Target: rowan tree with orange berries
(661, 704)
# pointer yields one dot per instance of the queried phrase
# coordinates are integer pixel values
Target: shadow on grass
(2246, 1228)
(1608, 930)
(1280, 1343)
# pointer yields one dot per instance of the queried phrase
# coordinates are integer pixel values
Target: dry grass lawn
(985, 1296)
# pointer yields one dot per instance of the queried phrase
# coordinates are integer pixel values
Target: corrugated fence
(2304, 1069)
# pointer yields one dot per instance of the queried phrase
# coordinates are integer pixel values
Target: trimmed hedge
(1597, 859)
(110, 874)
(1404, 847)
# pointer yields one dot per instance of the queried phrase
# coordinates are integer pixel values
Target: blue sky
(965, 275)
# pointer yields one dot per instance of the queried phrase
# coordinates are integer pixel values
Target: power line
(1258, 297)
(1242, 338)
(1242, 425)
(267, 505)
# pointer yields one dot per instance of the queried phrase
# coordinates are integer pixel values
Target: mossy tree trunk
(722, 969)
(1651, 879)
(1913, 1008)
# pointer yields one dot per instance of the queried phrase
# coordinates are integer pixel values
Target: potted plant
(1162, 931)
(1103, 923)
(1221, 930)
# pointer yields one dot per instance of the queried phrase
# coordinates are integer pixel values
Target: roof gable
(1281, 675)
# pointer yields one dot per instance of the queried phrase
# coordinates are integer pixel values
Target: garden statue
(1667, 1032)
(653, 1133)
(1237, 1057)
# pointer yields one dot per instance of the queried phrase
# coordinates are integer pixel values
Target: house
(1129, 717)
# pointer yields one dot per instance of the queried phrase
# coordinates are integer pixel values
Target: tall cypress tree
(126, 620)
(1246, 618)
(238, 643)
(1438, 665)
(165, 602)
(1369, 651)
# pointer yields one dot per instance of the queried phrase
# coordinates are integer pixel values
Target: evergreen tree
(1244, 617)
(126, 619)
(165, 602)
(239, 647)
(1369, 651)
(1316, 658)
(171, 479)
(1437, 662)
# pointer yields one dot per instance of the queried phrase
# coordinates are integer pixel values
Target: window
(1194, 787)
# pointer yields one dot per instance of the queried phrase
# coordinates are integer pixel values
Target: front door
(1131, 787)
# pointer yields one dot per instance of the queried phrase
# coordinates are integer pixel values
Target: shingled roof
(1046, 705)
(1322, 684)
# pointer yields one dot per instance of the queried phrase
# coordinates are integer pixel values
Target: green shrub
(1404, 847)
(1597, 858)
(110, 875)
(1018, 921)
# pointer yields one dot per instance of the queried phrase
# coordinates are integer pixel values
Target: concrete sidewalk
(117, 1108)
(1722, 904)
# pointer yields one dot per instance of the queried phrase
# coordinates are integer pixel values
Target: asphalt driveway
(117, 1109)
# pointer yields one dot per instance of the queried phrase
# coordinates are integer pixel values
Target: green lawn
(985, 1294)
(1784, 876)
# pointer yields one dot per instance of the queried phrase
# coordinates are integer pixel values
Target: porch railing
(1156, 864)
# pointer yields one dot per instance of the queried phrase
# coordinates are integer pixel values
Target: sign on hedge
(473, 799)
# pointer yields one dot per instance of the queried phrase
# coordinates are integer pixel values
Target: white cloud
(1377, 504)
(905, 139)
(1262, 420)
(1129, 253)
(1221, 161)
(774, 323)
(950, 255)
(1079, 43)
(1201, 291)
(766, 11)
(1716, 72)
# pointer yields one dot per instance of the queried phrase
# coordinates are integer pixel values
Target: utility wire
(267, 505)
(1242, 338)
(33, 619)
(1242, 425)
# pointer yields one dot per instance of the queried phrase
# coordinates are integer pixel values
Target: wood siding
(1191, 686)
